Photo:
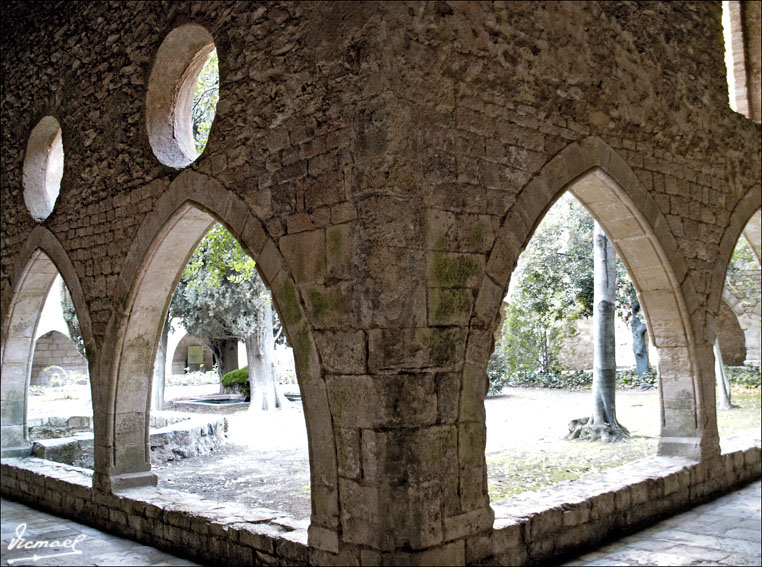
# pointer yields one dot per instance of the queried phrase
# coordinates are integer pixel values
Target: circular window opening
(43, 168)
(182, 96)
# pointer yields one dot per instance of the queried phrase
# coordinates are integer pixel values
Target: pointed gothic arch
(161, 249)
(606, 185)
(41, 260)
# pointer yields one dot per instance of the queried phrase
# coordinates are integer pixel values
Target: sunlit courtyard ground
(266, 464)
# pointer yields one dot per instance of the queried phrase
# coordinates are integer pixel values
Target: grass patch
(551, 462)
(746, 413)
(548, 461)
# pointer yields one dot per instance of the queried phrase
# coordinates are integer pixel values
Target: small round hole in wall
(183, 90)
(43, 168)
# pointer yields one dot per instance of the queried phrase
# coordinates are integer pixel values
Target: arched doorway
(164, 244)
(604, 183)
(42, 260)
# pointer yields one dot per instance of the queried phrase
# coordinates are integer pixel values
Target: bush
(238, 381)
(746, 376)
(562, 379)
(497, 370)
(630, 379)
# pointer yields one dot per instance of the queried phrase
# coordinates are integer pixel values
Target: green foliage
(220, 295)
(746, 376)
(552, 287)
(566, 380)
(630, 379)
(218, 259)
(205, 98)
(743, 273)
(497, 371)
(238, 380)
(196, 378)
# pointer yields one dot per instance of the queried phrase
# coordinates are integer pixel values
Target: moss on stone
(447, 304)
(453, 271)
(289, 304)
(320, 303)
(442, 243)
(442, 344)
(334, 242)
(300, 341)
(476, 234)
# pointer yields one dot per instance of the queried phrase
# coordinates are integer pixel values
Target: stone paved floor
(723, 532)
(96, 547)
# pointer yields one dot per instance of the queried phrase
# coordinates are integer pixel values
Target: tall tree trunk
(602, 425)
(723, 384)
(639, 334)
(224, 354)
(159, 370)
(260, 349)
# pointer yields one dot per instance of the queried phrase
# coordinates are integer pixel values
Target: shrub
(747, 376)
(238, 381)
(499, 377)
(497, 370)
(630, 379)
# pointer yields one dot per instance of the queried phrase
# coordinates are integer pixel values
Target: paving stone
(704, 535)
(741, 559)
(98, 548)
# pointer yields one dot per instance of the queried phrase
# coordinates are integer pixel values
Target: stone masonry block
(305, 254)
(342, 352)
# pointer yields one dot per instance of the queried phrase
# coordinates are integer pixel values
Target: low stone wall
(173, 436)
(533, 527)
(565, 519)
(55, 427)
(179, 523)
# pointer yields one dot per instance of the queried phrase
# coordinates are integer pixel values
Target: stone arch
(161, 249)
(747, 310)
(41, 260)
(731, 335)
(747, 208)
(605, 184)
(179, 354)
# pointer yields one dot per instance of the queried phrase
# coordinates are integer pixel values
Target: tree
(552, 286)
(221, 297)
(205, 98)
(603, 424)
(550, 289)
(70, 318)
(639, 341)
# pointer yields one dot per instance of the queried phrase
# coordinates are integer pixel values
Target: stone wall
(58, 350)
(180, 356)
(577, 352)
(384, 164)
(173, 436)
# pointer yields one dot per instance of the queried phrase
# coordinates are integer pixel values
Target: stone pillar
(689, 417)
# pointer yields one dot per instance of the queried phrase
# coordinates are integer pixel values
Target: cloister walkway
(725, 531)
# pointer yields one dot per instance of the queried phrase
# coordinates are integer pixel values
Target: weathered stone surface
(387, 204)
